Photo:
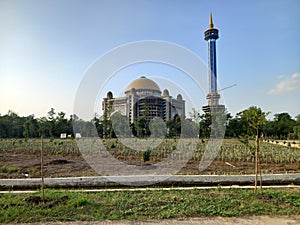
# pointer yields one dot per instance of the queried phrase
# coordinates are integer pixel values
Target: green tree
(174, 126)
(189, 128)
(99, 124)
(296, 128)
(61, 125)
(43, 127)
(141, 124)
(50, 122)
(141, 127)
(283, 124)
(196, 117)
(205, 122)
(255, 118)
(157, 128)
(218, 124)
(31, 128)
(4, 126)
(269, 129)
(297, 131)
(120, 125)
(234, 128)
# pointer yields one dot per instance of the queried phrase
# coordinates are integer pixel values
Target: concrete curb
(148, 180)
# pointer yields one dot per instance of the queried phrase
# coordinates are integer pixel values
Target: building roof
(143, 83)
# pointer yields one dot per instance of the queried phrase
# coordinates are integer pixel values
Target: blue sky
(47, 46)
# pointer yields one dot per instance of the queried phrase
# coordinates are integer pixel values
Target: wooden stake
(256, 159)
(260, 176)
(42, 169)
(259, 163)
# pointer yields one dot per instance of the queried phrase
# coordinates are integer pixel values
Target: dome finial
(211, 24)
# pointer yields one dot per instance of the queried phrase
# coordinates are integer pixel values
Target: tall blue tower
(211, 36)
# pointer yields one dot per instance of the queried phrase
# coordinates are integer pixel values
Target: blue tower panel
(212, 63)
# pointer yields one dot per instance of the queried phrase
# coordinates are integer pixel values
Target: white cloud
(287, 85)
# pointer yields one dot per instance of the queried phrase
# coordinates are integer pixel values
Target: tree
(269, 129)
(174, 126)
(298, 119)
(157, 128)
(296, 128)
(218, 123)
(99, 125)
(234, 128)
(205, 123)
(108, 109)
(4, 126)
(61, 125)
(120, 125)
(141, 124)
(283, 125)
(141, 127)
(31, 127)
(189, 128)
(297, 131)
(43, 127)
(50, 121)
(196, 117)
(256, 118)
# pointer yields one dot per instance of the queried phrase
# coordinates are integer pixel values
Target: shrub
(146, 155)
(113, 145)
(8, 169)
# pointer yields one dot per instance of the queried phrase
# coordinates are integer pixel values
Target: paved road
(257, 220)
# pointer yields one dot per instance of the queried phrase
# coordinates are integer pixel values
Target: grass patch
(9, 169)
(141, 205)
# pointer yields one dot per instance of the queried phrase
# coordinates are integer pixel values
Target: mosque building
(142, 96)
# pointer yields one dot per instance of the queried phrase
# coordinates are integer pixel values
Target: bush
(146, 155)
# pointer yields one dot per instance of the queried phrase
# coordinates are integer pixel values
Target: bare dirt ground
(28, 165)
(254, 220)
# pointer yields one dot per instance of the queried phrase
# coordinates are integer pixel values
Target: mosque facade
(143, 97)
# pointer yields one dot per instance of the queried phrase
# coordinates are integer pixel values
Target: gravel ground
(256, 220)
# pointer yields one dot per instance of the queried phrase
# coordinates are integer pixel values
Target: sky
(47, 48)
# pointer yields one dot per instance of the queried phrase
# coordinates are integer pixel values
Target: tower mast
(211, 35)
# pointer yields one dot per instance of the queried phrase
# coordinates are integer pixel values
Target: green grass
(9, 169)
(142, 205)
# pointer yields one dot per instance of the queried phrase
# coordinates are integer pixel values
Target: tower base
(213, 103)
(209, 109)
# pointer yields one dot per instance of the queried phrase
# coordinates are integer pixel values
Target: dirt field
(22, 165)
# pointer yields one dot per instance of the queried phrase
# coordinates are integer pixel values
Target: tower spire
(211, 24)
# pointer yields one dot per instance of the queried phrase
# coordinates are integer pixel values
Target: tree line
(282, 126)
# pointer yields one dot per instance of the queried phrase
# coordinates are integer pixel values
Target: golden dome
(143, 83)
